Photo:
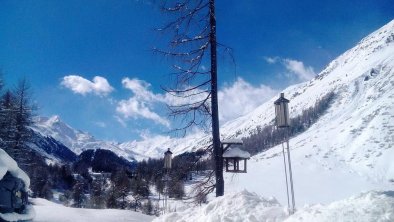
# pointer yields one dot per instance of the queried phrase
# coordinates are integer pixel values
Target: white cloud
(241, 98)
(235, 100)
(271, 60)
(120, 120)
(298, 68)
(136, 108)
(141, 103)
(80, 85)
(302, 72)
(100, 124)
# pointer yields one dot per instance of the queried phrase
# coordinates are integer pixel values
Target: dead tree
(192, 27)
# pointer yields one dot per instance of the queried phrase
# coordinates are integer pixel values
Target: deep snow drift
(249, 207)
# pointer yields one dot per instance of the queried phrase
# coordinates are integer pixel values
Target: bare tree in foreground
(192, 27)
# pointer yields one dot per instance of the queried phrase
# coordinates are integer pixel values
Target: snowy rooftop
(232, 141)
(236, 152)
(8, 164)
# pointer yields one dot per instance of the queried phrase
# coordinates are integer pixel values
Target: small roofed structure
(233, 156)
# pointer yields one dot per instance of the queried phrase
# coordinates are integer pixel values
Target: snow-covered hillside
(350, 148)
(76, 140)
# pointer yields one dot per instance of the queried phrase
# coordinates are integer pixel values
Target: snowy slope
(76, 140)
(371, 58)
(350, 148)
(47, 211)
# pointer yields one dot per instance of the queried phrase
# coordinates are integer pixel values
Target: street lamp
(282, 112)
(168, 160)
(282, 120)
(167, 168)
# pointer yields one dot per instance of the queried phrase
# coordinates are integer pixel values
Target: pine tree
(8, 123)
(148, 207)
(192, 27)
(78, 194)
(122, 186)
(112, 197)
(97, 194)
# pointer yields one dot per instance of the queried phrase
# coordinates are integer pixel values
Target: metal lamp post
(167, 168)
(282, 121)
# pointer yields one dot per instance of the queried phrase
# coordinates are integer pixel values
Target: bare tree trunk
(214, 102)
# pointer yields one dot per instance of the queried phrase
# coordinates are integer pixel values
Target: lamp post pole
(282, 120)
(290, 173)
(167, 168)
(287, 183)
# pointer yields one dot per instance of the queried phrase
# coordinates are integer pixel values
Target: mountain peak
(54, 119)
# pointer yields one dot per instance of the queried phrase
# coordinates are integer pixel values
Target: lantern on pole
(167, 168)
(282, 121)
(168, 159)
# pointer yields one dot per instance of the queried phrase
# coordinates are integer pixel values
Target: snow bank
(243, 206)
(51, 212)
(371, 206)
(8, 164)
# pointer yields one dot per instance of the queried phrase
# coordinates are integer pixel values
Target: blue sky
(276, 43)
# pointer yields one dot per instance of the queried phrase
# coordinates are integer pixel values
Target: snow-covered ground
(47, 211)
(245, 206)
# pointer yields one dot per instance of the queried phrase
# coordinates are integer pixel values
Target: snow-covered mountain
(79, 141)
(76, 140)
